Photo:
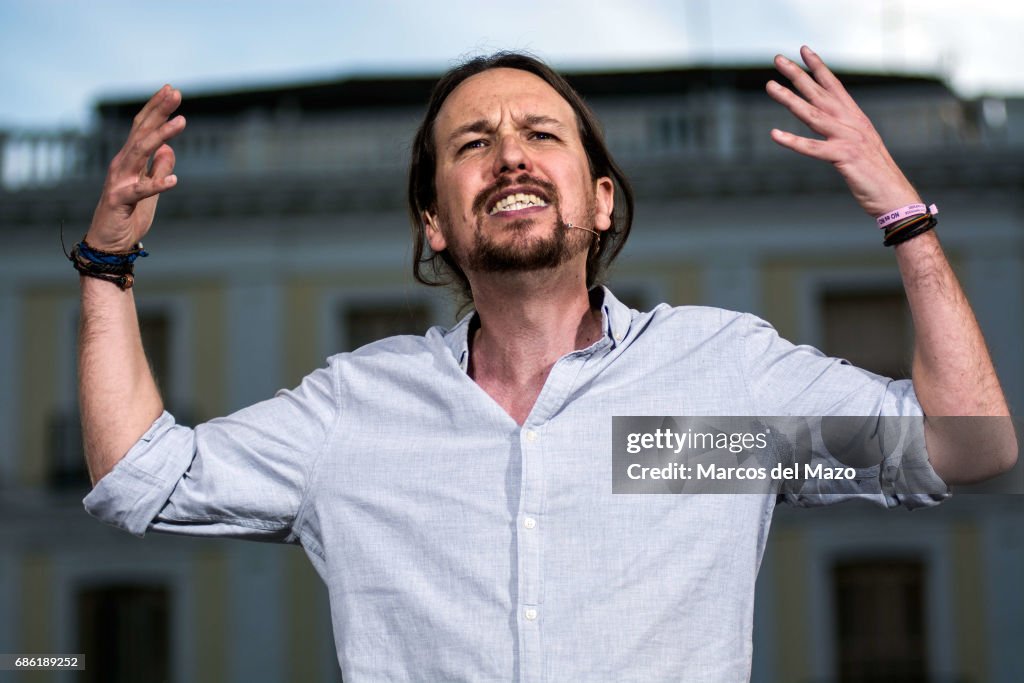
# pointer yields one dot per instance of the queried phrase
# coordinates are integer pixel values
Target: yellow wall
(791, 636)
(36, 628)
(42, 354)
(969, 594)
(211, 625)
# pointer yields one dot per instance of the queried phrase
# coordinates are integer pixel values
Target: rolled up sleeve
(791, 380)
(138, 486)
(242, 476)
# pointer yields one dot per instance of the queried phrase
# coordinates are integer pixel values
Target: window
(880, 621)
(67, 457)
(871, 329)
(686, 130)
(124, 633)
(361, 324)
(155, 328)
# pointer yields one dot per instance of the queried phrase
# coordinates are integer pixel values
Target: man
(452, 489)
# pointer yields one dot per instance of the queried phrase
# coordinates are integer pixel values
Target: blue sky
(60, 56)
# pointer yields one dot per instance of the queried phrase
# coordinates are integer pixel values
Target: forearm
(953, 372)
(118, 396)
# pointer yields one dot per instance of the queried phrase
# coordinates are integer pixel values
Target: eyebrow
(484, 126)
(478, 126)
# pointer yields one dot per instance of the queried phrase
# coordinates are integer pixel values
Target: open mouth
(517, 201)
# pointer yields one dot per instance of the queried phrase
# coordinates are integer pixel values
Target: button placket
(529, 548)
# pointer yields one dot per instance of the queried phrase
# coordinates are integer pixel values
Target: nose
(511, 156)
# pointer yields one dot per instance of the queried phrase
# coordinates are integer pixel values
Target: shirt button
(531, 435)
(530, 614)
(618, 337)
(529, 522)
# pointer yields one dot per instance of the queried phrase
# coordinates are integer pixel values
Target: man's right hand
(130, 192)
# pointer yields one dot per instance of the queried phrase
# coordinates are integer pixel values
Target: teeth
(515, 202)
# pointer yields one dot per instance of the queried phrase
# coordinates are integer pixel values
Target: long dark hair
(440, 269)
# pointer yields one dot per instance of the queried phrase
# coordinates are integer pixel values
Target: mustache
(484, 197)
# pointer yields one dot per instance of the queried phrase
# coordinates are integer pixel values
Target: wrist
(117, 268)
(112, 246)
(906, 222)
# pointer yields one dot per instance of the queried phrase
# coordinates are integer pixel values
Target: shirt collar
(616, 318)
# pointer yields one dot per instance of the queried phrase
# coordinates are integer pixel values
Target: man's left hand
(850, 142)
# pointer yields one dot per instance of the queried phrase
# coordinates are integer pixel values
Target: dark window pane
(155, 329)
(871, 329)
(67, 470)
(124, 632)
(880, 621)
(365, 323)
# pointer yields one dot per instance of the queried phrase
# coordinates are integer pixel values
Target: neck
(527, 322)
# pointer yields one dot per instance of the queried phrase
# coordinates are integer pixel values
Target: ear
(604, 196)
(435, 238)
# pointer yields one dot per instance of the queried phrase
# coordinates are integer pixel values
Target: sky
(60, 56)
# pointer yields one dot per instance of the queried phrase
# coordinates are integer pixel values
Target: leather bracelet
(114, 267)
(124, 281)
(910, 230)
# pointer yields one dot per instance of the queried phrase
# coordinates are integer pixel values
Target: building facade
(287, 240)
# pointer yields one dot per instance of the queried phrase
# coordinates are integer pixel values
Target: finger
(134, 156)
(824, 76)
(152, 102)
(134, 192)
(163, 163)
(159, 138)
(159, 179)
(800, 79)
(154, 117)
(157, 109)
(816, 149)
(817, 120)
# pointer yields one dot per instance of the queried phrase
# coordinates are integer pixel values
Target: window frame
(167, 565)
(332, 332)
(854, 536)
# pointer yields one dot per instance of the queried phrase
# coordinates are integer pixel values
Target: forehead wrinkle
(479, 94)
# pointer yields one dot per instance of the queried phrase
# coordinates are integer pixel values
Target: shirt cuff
(132, 494)
(908, 477)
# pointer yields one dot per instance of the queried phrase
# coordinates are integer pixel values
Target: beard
(523, 252)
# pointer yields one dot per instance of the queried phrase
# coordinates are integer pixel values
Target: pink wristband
(908, 211)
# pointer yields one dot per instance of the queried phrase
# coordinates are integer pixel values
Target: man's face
(511, 171)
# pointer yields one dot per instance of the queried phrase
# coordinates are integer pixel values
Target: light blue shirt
(458, 546)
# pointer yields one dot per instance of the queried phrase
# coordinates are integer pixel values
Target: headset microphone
(576, 227)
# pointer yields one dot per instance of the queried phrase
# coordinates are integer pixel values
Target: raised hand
(850, 142)
(133, 185)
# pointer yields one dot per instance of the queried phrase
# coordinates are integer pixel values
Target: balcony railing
(720, 126)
